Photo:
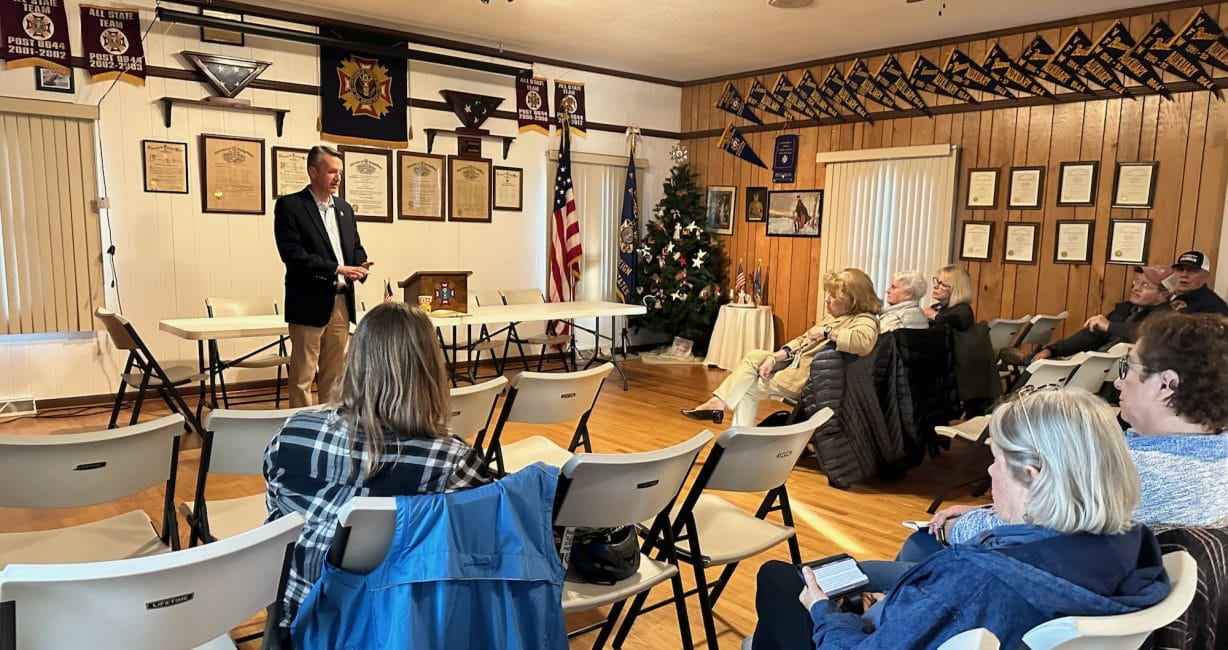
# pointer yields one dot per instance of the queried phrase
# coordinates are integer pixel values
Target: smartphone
(837, 575)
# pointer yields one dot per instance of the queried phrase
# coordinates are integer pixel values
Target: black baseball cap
(1193, 260)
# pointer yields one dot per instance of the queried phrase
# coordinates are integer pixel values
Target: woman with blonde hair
(387, 436)
(952, 294)
(850, 325)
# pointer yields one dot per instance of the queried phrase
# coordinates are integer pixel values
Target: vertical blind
(50, 246)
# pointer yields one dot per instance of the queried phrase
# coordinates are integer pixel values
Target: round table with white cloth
(739, 330)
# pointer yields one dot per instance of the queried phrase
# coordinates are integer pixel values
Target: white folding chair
(545, 398)
(75, 470)
(1004, 330)
(143, 372)
(184, 599)
(516, 331)
(710, 531)
(1050, 371)
(614, 490)
(978, 639)
(234, 444)
(279, 358)
(1123, 631)
(1041, 330)
(473, 406)
(1094, 369)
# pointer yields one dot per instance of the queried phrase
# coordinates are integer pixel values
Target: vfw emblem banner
(35, 33)
(363, 98)
(111, 39)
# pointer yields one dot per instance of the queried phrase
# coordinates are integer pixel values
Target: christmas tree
(680, 269)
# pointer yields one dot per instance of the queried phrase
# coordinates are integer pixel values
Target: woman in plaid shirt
(387, 436)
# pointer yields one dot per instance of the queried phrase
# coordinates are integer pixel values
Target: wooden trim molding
(855, 155)
(46, 108)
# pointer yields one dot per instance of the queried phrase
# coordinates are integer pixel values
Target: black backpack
(603, 555)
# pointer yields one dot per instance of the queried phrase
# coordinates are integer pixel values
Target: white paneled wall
(170, 255)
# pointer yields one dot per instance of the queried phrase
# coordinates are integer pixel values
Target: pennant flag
(569, 99)
(732, 102)
(363, 99)
(739, 282)
(628, 234)
(35, 34)
(757, 288)
(1037, 61)
(1202, 40)
(1075, 55)
(760, 98)
(1116, 50)
(1154, 49)
(1002, 67)
(387, 291)
(565, 249)
(786, 93)
(784, 159)
(532, 105)
(891, 76)
(926, 76)
(111, 39)
(836, 87)
(734, 143)
(863, 83)
(808, 87)
(961, 69)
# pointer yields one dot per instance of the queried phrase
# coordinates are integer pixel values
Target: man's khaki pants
(319, 346)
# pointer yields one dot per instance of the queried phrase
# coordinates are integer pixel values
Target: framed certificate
(982, 189)
(165, 166)
(1134, 186)
(977, 241)
(509, 188)
(289, 171)
(366, 182)
(232, 174)
(1027, 188)
(1074, 242)
(470, 190)
(1077, 183)
(420, 193)
(1128, 241)
(1021, 240)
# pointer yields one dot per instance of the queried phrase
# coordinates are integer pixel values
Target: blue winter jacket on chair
(469, 569)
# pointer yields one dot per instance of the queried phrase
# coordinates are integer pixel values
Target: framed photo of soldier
(1077, 183)
(976, 242)
(470, 189)
(795, 213)
(1073, 244)
(1020, 242)
(756, 204)
(982, 189)
(1128, 241)
(366, 182)
(164, 166)
(1134, 186)
(509, 188)
(420, 186)
(232, 174)
(1027, 188)
(289, 170)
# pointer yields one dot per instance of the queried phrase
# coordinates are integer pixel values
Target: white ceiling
(685, 40)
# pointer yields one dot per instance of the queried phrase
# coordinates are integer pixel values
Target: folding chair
(1041, 330)
(614, 490)
(473, 406)
(234, 444)
(545, 340)
(151, 374)
(184, 599)
(230, 307)
(978, 639)
(1094, 369)
(544, 398)
(1002, 331)
(711, 531)
(75, 470)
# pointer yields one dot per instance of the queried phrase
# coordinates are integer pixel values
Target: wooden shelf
(279, 114)
(507, 140)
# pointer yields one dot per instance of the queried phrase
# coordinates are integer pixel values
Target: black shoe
(717, 416)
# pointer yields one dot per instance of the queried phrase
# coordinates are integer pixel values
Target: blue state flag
(628, 230)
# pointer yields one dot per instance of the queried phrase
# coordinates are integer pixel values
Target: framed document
(1077, 183)
(223, 36)
(976, 241)
(1128, 241)
(289, 171)
(756, 204)
(470, 190)
(420, 195)
(366, 182)
(1074, 242)
(1134, 186)
(1021, 240)
(232, 174)
(165, 166)
(509, 188)
(1027, 188)
(982, 189)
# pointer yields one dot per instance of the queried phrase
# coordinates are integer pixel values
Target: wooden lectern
(448, 289)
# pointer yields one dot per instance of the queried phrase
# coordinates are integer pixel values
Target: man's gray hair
(913, 281)
(319, 150)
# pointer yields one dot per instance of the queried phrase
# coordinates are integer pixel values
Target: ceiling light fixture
(790, 4)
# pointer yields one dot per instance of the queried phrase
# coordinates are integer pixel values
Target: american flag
(565, 251)
(739, 283)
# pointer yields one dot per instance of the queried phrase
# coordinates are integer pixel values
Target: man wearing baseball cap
(1191, 295)
(1147, 295)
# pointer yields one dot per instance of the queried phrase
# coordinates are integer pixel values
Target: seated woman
(849, 325)
(903, 310)
(952, 294)
(387, 436)
(1064, 484)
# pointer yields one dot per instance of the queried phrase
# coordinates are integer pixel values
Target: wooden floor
(863, 521)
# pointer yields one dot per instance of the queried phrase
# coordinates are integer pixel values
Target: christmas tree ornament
(698, 262)
(677, 231)
(679, 155)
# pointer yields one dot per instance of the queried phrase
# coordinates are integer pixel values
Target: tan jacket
(855, 334)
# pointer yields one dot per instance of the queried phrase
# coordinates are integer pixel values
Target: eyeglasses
(1123, 367)
(940, 284)
(1031, 389)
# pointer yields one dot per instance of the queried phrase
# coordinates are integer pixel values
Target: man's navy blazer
(311, 265)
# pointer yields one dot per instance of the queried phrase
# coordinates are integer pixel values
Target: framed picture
(289, 171)
(1134, 186)
(232, 174)
(223, 36)
(1128, 241)
(795, 213)
(420, 186)
(720, 208)
(756, 204)
(1021, 240)
(1077, 183)
(976, 244)
(164, 166)
(982, 189)
(1027, 188)
(54, 80)
(509, 188)
(366, 182)
(470, 190)
(1073, 244)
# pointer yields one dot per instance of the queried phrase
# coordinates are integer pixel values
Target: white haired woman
(903, 310)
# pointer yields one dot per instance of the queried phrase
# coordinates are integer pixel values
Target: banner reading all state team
(111, 39)
(532, 105)
(35, 34)
(569, 98)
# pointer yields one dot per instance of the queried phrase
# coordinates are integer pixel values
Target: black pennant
(736, 144)
(863, 82)
(1202, 40)
(964, 71)
(786, 92)
(1002, 67)
(808, 88)
(732, 102)
(891, 76)
(1115, 49)
(1076, 54)
(1154, 49)
(760, 98)
(836, 87)
(1037, 60)
(926, 76)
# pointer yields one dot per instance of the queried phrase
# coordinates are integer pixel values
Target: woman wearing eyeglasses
(952, 294)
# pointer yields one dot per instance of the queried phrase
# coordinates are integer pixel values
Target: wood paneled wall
(1188, 136)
